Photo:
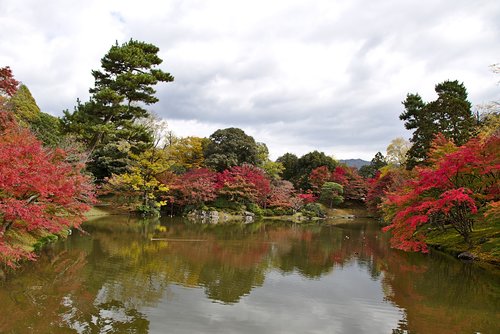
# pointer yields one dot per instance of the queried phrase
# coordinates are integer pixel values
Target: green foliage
(113, 114)
(450, 114)
(46, 128)
(254, 208)
(331, 193)
(141, 181)
(272, 169)
(223, 203)
(41, 242)
(313, 210)
(290, 165)
(369, 171)
(24, 106)
(297, 171)
(230, 147)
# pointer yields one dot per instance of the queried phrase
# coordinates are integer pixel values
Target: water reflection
(143, 277)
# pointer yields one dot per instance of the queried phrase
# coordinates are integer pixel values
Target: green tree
(122, 88)
(46, 127)
(450, 114)
(331, 194)
(273, 169)
(140, 182)
(369, 171)
(289, 162)
(305, 166)
(230, 147)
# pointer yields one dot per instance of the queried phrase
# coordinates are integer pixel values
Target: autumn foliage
(354, 186)
(244, 183)
(8, 85)
(40, 192)
(196, 187)
(459, 187)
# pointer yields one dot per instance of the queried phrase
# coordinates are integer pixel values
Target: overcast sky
(297, 75)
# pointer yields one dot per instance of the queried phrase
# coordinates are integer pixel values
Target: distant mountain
(358, 163)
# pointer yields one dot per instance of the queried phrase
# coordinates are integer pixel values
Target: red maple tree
(196, 187)
(244, 183)
(8, 85)
(40, 192)
(460, 185)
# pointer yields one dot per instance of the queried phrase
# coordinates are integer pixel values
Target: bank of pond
(178, 275)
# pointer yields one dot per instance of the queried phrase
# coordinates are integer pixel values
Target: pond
(173, 276)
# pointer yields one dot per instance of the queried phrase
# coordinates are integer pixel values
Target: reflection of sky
(347, 300)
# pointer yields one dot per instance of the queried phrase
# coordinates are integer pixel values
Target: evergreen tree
(450, 114)
(230, 147)
(369, 171)
(108, 123)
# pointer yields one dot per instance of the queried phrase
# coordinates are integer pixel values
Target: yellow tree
(141, 181)
(187, 153)
(396, 151)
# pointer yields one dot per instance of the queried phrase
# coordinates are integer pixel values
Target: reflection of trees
(105, 279)
(307, 250)
(439, 293)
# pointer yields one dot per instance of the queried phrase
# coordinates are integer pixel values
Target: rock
(467, 256)
(249, 214)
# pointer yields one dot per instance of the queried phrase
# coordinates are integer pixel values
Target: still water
(172, 276)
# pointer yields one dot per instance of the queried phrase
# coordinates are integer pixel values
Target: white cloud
(298, 75)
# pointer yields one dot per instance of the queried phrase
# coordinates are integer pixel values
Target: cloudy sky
(298, 75)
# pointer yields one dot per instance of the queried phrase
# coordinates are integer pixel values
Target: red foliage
(308, 198)
(39, 191)
(354, 185)
(339, 175)
(282, 195)
(318, 177)
(8, 84)
(380, 185)
(449, 192)
(197, 186)
(244, 183)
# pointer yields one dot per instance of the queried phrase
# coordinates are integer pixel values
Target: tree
(386, 181)
(318, 177)
(122, 88)
(273, 169)
(307, 163)
(355, 187)
(369, 171)
(458, 188)
(244, 184)
(187, 153)
(40, 192)
(331, 193)
(397, 150)
(196, 187)
(142, 178)
(45, 127)
(230, 147)
(449, 114)
(8, 85)
(282, 195)
(289, 162)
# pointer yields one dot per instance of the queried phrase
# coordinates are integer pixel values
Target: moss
(485, 242)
